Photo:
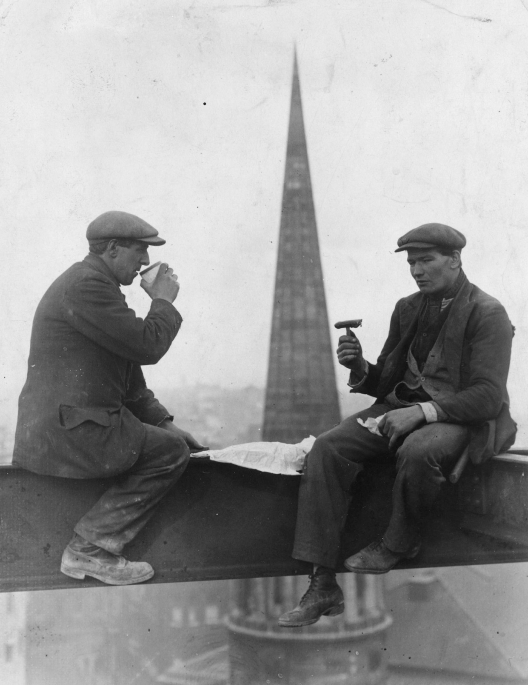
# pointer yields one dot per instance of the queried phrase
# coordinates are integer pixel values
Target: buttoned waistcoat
(84, 404)
(477, 349)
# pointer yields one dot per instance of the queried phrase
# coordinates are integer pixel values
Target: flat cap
(432, 235)
(122, 225)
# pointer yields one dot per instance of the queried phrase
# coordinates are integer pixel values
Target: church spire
(301, 395)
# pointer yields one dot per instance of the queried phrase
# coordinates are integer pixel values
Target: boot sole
(377, 572)
(369, 571)
(78, 574)
(333, 611)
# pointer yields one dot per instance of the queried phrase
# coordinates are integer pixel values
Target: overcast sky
(415, 111)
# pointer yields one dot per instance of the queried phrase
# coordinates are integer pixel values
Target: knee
(177, 453)
(327, 462)
(181, 453)
(413, 455)
(319, 452)
(327, 443)
(322, 442)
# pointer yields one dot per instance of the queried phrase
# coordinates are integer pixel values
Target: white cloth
(371, 424)
(428, 409)
(269, 457)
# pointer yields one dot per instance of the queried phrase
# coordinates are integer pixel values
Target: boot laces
(314, 585)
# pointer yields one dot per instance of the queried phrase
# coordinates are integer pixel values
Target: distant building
(451, 626)
(459, 625)
(217, 416)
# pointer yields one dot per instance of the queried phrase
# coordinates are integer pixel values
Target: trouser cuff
(316, 557)
(401, 545)
(107, 542)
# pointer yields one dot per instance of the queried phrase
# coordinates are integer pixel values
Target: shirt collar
(450, 294)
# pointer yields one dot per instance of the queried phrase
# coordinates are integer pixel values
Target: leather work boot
(324, 597)
(109, 568)
(377, 558)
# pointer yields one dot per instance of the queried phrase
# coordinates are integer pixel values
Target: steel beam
(222, 521)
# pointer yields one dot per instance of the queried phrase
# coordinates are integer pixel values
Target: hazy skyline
(177, 111)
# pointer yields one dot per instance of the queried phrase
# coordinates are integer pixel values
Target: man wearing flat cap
(85, 410)
(440, 386)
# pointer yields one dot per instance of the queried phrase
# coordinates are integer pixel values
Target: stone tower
(301, 399)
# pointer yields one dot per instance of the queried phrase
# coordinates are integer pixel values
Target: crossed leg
(337, 458)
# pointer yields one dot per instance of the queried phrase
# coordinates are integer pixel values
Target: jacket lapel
(396, 361)
(455, 330)
(408, 314)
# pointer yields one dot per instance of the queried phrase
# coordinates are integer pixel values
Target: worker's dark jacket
(477, 348)
(83, 407)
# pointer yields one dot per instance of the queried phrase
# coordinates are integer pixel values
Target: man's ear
(456, 260)
(112, 248)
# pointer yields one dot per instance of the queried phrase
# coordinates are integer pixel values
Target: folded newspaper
(269, 457)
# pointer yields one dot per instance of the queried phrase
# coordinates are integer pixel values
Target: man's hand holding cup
(160, 282)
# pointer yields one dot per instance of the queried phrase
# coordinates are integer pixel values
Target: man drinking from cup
(85, 410)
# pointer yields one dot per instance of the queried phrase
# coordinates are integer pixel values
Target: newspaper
(269, 457)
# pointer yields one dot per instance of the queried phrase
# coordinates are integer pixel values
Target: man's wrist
(429, 411)
(358, 376)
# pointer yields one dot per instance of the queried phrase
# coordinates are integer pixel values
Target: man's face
(433, 272)
(129, 261)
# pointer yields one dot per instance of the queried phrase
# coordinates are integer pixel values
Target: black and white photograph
(264, 348)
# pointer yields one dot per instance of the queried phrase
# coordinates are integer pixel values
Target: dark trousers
(335, 461)
(123, 510)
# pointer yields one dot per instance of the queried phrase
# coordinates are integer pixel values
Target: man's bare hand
(399, 422)
(192, 443)
(165, 286)
(350, 354)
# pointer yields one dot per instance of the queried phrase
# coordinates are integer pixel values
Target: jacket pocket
(71, 417)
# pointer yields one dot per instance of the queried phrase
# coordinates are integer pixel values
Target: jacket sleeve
(370, 386)
(485, 366)
(141, 401)
(97, 309)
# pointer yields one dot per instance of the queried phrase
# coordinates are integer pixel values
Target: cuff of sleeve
(441, 414)
(353, 376)
(158, 303)
(429, 410)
